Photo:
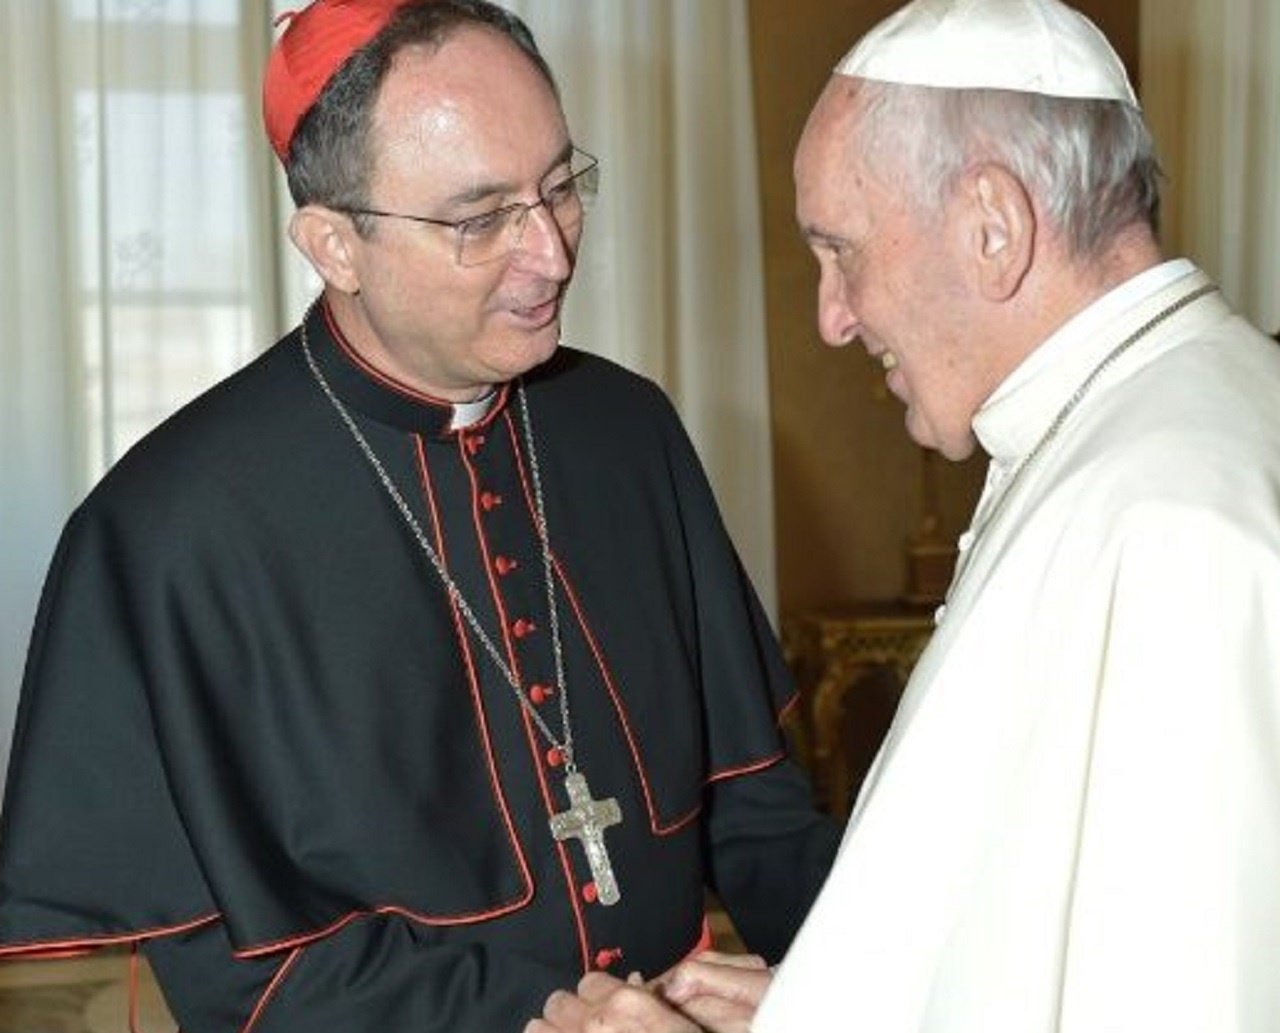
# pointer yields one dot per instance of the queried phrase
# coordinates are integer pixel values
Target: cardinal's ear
(330, 243)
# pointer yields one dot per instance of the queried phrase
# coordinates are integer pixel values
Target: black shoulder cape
(249, 701)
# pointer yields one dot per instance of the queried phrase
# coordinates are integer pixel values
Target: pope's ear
(1002, 230)
(330, 243)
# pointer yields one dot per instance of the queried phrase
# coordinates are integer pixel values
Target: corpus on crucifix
(585, 820)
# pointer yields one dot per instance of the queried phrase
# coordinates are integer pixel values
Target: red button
(540, 693)
(607, 957)
(523, 628)
(589, 893)
(474, 443)
(489, 500)
(504, 565)
(554, 757)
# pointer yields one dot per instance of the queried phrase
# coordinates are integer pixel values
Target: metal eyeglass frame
(506, 225)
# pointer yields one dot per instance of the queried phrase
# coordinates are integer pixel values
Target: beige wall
(848, 480)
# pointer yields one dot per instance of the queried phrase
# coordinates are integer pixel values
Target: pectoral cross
(585, 820)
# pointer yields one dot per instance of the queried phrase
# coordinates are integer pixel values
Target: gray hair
(1091, 164)
(330, 160)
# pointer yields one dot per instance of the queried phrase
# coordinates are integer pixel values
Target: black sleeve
(381, 974)
(768, 853)
(767, 848)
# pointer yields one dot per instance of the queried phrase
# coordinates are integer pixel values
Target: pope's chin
(954, 447)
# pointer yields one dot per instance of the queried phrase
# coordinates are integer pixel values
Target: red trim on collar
(398, 386)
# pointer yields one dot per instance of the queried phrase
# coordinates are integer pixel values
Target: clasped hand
(712, 992)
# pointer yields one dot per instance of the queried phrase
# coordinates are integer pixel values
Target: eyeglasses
(493, 235)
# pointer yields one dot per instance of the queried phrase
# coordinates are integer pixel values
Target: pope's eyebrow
(817, 237)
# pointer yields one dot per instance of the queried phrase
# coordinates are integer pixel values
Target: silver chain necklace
(585, 819)
(1069, 407)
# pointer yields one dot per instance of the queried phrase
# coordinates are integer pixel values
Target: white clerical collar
(465, 414)
(1092, 318)
(1008, 422)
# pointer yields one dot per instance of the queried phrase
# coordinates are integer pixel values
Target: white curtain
(126, 258)
(671, 275)
(40, 426)
(142, 258)
(1211, 90)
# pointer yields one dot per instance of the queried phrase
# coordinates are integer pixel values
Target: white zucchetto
(1030, 46)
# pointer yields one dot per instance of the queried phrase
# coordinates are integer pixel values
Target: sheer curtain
(670, 281)
(1211, 90)
(128, 282)
(142, 259)
(40, 426)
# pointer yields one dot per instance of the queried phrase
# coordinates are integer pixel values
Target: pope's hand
(721, 992)
(712, 993)
(604, 1004)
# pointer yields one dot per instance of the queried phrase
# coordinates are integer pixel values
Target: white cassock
(1074, 823)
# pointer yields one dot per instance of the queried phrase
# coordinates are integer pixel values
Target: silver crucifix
(585, 820)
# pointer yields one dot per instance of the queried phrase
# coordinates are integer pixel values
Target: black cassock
(257, 738)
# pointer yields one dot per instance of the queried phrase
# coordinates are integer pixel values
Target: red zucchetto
(316, 42)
